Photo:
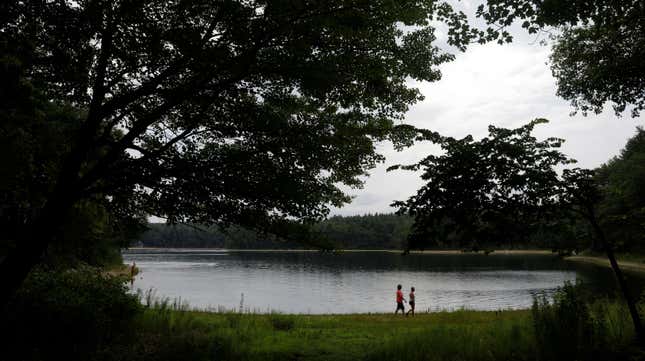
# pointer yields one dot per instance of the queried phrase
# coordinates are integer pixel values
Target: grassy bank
(458, 335)
(454, 335)
(600, 331)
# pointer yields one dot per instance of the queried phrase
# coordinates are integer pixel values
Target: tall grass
(575, 326)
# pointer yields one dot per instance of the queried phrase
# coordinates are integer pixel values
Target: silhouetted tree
(506, 178)
(497, 188)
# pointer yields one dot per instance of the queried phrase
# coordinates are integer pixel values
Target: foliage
(223, 112)
(371, 231)
(67, 315)
(498, 189)
(93, 236)
(32, 143)
(622, 184)
(575, 327)
(199, 236)
(34, 134)
(599, 47)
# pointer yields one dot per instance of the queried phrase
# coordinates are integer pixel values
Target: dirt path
(625, 265)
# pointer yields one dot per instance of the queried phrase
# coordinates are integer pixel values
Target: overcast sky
(504, 85)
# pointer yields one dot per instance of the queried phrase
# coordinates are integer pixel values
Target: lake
(353, 282)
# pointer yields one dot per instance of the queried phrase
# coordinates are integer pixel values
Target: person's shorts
(411, 303)
(399, 306)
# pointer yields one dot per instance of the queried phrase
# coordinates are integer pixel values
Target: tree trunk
(638, 326)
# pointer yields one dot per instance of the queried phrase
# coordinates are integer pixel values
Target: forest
(371, 231)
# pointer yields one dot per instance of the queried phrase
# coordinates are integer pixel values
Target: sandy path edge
(600, 261)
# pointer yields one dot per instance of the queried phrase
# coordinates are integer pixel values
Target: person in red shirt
(399, 300)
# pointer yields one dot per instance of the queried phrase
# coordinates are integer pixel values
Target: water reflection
(310, 282)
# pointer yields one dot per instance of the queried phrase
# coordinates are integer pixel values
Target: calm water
(353, 282)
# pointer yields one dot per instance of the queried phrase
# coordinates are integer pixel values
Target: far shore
(451, 251)
(598, 260)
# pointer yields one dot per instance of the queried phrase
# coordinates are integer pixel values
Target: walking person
(133, 270)
(399, 301)
(411, 302)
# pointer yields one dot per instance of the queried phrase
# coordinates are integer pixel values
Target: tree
(206, 112)
(598, 51)
(622, 184)
(496, 188)
(506, 178)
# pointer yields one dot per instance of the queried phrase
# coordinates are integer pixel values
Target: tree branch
(154, 153)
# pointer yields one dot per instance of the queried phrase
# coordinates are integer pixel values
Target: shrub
(281, 322)
(67, 314)
(575, 327)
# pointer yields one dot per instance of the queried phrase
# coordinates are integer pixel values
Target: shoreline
(451, 251)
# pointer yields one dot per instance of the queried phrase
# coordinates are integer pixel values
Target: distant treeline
(372, 231)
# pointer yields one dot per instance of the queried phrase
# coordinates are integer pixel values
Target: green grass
(459, 335)
(572, 330)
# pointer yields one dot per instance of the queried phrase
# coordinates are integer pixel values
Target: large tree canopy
(206, 111)
(216, 112)
(599, 47)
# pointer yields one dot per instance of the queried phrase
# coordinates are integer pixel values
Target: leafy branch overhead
(598, 52)
(220, 112)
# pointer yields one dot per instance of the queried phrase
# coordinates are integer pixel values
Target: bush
(575, 327)
(281, 322)
(68, 314)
